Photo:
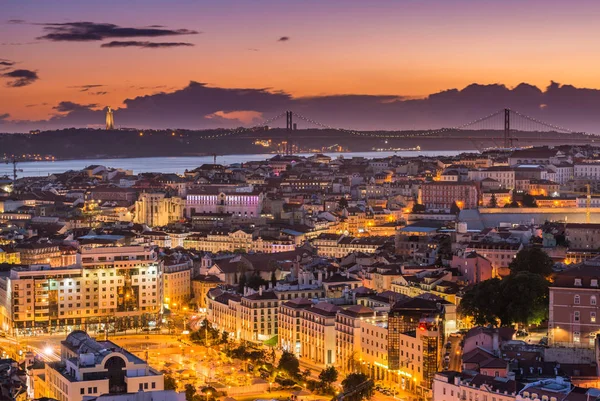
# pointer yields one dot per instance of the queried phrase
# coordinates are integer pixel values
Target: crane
(588, 201)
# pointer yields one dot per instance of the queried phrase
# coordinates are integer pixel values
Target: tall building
(110, 121)
(120, 285)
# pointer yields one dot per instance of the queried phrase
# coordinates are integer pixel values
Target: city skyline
(80, 58)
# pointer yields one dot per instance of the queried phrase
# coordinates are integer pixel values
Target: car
(449, 344)
(446, 358)
(522, 333)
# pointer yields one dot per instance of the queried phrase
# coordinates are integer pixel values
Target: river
(179, 164)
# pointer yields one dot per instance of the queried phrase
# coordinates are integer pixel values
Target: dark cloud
(145, 45)
(84, 31)
(97, 93)
(67, 107)
(199, 106)
(4, 116)
(15, 21)
(19, 78)
(6, 63)
(85, 88)
(283, 39)
(253, 49)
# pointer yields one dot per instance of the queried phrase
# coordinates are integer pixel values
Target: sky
(52, 64)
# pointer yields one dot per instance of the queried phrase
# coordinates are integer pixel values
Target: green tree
(289, 364)
(533, 260)
(493, 201)
(529, 201)
(255, 281)
(482, 302)
(343, 203)
(328, 376)
(525, 298)
(170, 383)
(224, 337)
(357, 386)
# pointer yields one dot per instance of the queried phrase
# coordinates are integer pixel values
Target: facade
(289, 324)
(177, 284)
(338, 246)
(587, 170)
(442, 195)
(473, 267)
(499, 254)
(240, 201)
(452, 386)
(91, 368)
(582, 236)
(238, 240)
(9, 256)
(574, 309)
(109, 283)
(157, 209)
(317, 333)
(504, 175)
(45, 253)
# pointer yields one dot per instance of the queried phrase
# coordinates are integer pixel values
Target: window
(593, 317)
(576, 299)
(576, 336)
(576, 316)
(593, 300)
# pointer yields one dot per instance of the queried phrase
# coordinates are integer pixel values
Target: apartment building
(177, 284)
(452, 386)
(500, 254)
(442, 195)
(504, 175)
(348, 333)
(586, 170)
(289, 324)
(90, 368)
(258, 315)
(582, 235)
(46, 253)
(338, 246)
(240, 201)
(574, 310)
(109, 283)
(317, 333)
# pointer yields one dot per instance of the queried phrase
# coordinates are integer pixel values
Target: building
(338, 246)
(587, 170)
(9, 255)
(118, 285)
(473, 267)
(46, 253)
(238, 240)
(538, 155)
(289, 324)
(258, 316)
(158, 209)
(583, 235)
(177, 285)
(442, 195)
(91, 368)
(500, 254)
(573, 306)
(349, 332)
(239, 201)
(317, 333)
(452, 386)
(504, 175)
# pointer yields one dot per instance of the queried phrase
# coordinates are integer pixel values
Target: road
(455, 353)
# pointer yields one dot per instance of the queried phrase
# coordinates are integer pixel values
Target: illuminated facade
(110, 121)
(157, 209)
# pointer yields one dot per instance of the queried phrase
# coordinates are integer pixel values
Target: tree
(242, 282)
(482, 302)
(343, 203)
(357, 386)
(273, 279)
(289, 364)
(533, 260)
(170, 383)
(224, 337)
(493, 201)
(328, 376)
(514, 204)
(418, 208)
(529, 201)
(190, 392)
(525, 297)
(255, 281)
(454, 209)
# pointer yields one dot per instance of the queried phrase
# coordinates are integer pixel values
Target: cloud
(67, 107)
(15, 21)
(85, 88)
(6, 63)
(100, 93)
(145, 45)
(283, 39)
(4, 116)
(19, 78)
(243, 116)
(84, 31)
(200, 106)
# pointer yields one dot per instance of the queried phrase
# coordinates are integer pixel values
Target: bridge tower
(289, 126)
(508, 141)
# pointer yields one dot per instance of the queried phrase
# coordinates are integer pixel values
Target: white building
(240, 201)
(91, 368)
(504, 175)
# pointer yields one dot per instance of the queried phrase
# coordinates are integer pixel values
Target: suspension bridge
(505, 128)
